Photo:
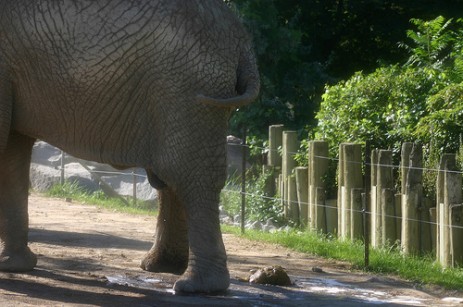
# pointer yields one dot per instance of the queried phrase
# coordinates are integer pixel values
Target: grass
(98, 198)
(421, 270)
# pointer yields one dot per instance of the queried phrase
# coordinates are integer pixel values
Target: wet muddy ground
(89, 256)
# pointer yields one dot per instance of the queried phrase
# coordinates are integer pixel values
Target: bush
(383, 107)
(260, 206)
(418, 102)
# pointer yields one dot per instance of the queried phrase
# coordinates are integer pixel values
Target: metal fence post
(134, 191)
(243, 181)
(366, 204)
(62, 167)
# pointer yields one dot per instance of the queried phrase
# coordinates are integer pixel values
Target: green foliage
(383, 107)
(303, 45)
(302, 156)
(443, 124)
(418, 102)
(399, 103)
(457, 53)
(432, 42)
(256, 148)
(260, 205)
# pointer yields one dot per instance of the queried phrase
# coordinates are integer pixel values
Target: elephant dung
(272, 275)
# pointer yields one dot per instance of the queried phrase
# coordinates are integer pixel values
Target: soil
(88, 256)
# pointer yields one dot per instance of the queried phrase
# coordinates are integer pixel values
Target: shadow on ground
(75, 239)
(98, 291)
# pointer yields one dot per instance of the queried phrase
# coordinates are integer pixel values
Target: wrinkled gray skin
(129, 83)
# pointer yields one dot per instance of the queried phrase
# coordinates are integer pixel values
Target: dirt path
(90, 257)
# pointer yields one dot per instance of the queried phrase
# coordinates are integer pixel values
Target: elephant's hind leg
(207, 268)
(169, 253)
(15, 255)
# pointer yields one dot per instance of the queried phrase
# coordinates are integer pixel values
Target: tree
(303, 45)
(432, 43)
(290, 83)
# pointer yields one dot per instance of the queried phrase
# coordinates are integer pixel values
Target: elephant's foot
(162, 262)
(203, 281)
(17, 261)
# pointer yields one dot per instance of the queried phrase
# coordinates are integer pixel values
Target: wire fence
(131, 173)
(333, 159)
(443, 219)
(279, 199)
(368, 213)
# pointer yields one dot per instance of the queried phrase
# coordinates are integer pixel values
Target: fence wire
(266, 149)
(119, 174)
(314, 204)
(393, 166)
(347, 209)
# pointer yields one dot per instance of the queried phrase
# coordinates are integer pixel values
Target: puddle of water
(334, 287)
(328, 290)
(140, 282)
(407, 300)
(304, 288)
(453, 300)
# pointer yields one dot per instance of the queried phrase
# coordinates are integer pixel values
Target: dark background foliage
(302, 45)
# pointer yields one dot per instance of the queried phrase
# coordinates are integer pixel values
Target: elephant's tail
(247, 85)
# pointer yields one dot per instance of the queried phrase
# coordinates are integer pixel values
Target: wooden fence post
(356, 216)
(453, 195)
(373, 194)
(398, 216)
(350, 177)
(320, 213)
(451, 248)
(318, 166)
(274, 161)
(275, 135)
(384, 181)
(407, 148)
(433, 230)
(389, 219)
(412, 203)
(293, 205)
(448, 194)
(341, 206)
(302, 194)
(290, 147)
(456, 234)
(426, 228)
(331, 216)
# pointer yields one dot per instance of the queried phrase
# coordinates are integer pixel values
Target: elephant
(129, 83)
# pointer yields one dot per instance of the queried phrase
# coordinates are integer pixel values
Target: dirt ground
(89, 256)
